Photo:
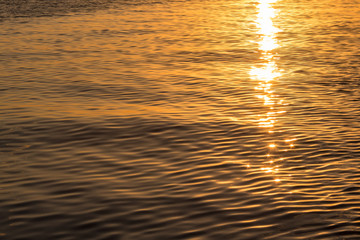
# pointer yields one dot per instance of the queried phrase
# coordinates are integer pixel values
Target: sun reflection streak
(266, 73)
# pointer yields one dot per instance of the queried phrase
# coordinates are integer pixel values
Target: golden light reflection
(266, 73)
(273, 145)
(266, 28)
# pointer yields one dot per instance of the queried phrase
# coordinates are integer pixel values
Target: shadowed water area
(165, 120)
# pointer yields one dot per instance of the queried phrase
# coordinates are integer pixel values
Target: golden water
(180, 120)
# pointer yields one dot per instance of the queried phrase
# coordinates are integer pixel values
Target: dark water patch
(44, 8)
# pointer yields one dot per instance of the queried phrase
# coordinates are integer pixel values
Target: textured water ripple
(141, 181)
(143, 122)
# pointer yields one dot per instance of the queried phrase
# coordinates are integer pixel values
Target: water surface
(180, 120)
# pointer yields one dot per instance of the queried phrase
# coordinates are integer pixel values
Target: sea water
(164, 120)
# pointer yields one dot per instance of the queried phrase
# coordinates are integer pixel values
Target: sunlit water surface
(212, 119)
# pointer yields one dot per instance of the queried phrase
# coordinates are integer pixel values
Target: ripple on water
(142, 122)
(164, 175)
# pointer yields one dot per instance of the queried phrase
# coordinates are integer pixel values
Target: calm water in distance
(213, 119)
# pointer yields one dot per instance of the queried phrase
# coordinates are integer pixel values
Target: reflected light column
(265, 74)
